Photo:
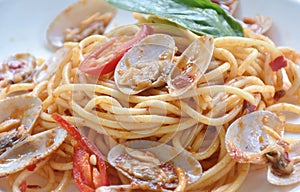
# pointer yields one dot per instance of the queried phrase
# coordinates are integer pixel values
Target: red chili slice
(85, 176)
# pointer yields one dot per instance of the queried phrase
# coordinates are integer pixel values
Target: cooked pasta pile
(239, 80)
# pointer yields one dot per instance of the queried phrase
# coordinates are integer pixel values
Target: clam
(294, 162)
(18, 114)
(48, 68)
(190, 66)
(80, 20)
(17, 69)
(24, 109)
(145, 64)
(260, 24)
(257, 138)
(152, 164)
(245, 139)
(29, 151)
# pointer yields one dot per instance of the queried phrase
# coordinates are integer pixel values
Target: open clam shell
(292, 178)
(24, 107)
(260, 24)
(72, 16)
(245, 139)
(123, 188)
(17, 68)
(183, 38)
(191, 66)
(163, 153)
(144, 65)
(50, 66)
(30, 150)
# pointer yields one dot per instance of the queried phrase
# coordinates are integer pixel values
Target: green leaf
(199, 16)
(208, 4)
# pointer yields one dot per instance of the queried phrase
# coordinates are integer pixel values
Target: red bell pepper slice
(111, 53)
(83, 170)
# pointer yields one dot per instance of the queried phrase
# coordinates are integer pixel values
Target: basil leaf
(234, 24)
(199, 16)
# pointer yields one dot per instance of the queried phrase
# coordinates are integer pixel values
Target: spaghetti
(238, 80)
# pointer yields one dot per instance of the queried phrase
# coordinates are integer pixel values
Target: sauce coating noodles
(238, 80)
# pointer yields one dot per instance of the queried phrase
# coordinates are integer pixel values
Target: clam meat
(145, 64)
(18, 147)
(257, 138)
(151, 165)
(31, 150)
(290, 163)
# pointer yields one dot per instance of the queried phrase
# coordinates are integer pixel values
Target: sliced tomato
(111, 53)
(83, 170)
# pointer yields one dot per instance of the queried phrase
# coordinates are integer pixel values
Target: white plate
(23, 25)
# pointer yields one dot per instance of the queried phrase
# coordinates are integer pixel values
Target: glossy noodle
(238, 80)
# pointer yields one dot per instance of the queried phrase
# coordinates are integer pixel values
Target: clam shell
(24, 107)
(245, 138)
(50, 66)
(191, 66)
(147, 62)
(260, 24)
(163, 152)
(114, 188)
(183, 38)
(72, 16)
(22, 64)
(292, 178)
(123, 188)
(30, 150)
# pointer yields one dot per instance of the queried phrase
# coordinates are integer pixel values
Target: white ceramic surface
(23, 25)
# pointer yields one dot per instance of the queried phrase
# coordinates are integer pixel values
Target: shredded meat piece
(281, 164)
(248, 106)
(141, 76)
(278, 63)
(279, 94)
